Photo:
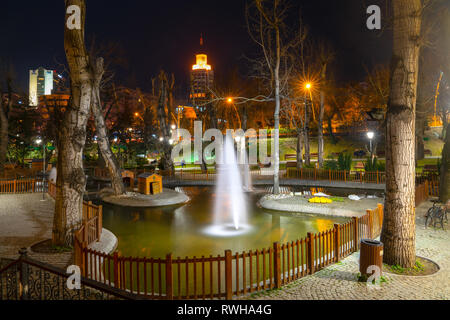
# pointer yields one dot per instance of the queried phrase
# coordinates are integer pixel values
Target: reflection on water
(183, 230)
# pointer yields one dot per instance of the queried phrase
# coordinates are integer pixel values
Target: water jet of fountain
(229, 189)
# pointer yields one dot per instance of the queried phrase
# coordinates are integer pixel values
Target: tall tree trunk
(276, 151)
(71, 181)
(166, 159)
(444, 186)
(5, 109)
(398, 234)
(330, 130)
(306, 135)
(320, 129)
(4, 131)
(102, 133)
(299, 148)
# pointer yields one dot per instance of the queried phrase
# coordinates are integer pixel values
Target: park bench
(312, 155)
(430, 168)
(427, 152)
(291, 164)
(290, 156)
(335, 154)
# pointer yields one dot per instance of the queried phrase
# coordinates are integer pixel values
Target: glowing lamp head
(308, 86)
(39, 141)
(370, 135)
(136, 114)
(174, 127)
(230, 100)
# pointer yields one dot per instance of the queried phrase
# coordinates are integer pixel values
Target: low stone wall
(300, 205)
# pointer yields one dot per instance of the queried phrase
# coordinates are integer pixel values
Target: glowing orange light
(308, 86)
(202, 63)
(136, 114)
(229, 100)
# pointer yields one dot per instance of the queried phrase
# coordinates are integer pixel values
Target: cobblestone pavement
(339, 281)
(24, 221)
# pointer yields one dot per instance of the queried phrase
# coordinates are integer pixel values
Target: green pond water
(186, 230)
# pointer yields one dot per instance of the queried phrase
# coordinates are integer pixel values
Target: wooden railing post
(380, 215)
(310, 257)
(99, 222)
(337, 244)
(277, 264)
(169, 277)
(369, 212)
(116, 270)
(15, 186)
(228, 276)
(355, 234)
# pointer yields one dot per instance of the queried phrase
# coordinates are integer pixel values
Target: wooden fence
(29, 185)
(230, 274)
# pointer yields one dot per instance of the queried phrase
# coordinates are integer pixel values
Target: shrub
(345, 162)
(373, 165)
(330, 165)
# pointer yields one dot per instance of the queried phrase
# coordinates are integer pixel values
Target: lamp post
(230, 101)
(370, 135)
(306, 132)
(39, 141)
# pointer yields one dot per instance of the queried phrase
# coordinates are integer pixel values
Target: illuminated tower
(202, 79)
(41, 83)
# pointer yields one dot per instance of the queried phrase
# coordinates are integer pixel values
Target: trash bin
(371, 254)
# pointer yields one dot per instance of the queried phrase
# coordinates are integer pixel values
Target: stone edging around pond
(300, 205)
(167, 198)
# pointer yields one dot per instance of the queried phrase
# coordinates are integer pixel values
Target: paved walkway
(26, 220)
(339, 281)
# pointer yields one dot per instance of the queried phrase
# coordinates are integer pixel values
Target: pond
(186, 230)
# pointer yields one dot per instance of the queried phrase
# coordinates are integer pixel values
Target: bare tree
(325, 55)
(6, 101)
(102, 131)
(165, 105)
(398, 234)
(266, 21)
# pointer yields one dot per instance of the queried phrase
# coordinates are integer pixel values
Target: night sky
(165, 34)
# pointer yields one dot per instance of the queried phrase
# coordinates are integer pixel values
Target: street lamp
(230, 101)
(38, 142)
(371, 135)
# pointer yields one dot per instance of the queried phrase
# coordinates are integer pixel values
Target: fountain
(230, 212)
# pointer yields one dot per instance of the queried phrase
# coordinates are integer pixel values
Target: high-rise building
(41, 83)
(202, 79)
